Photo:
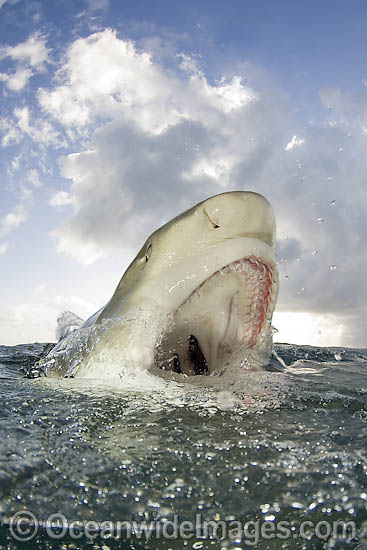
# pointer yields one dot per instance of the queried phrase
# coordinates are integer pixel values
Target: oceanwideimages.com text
(25, 526)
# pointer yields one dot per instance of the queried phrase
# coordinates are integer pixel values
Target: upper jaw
(169, 289)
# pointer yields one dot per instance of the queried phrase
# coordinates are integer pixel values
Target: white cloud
(9, 2)
(21, 125)
(17, 80)
(294, 142)
(232, 95)
(320, 329)
(149, 141)
(60, 199)
(29, 58)
(167, 129)
(36, 321)
(108, 78)
(15, 162)
(167, 138)
(19, 214)
(13, 219)
(32, 52)
(308, 328)
(33, 178)
(189, 63)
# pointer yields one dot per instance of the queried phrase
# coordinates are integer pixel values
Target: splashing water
(286, 444)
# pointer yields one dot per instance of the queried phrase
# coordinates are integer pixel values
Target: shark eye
(148, 252)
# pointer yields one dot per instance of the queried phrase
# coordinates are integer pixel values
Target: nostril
(211, 219)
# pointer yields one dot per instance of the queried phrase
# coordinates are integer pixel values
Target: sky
(116, 116)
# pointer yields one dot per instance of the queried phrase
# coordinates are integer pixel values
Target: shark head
(212, 272)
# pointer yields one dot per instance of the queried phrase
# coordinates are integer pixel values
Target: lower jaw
(214, 323)
(191, 348)
(235, 357)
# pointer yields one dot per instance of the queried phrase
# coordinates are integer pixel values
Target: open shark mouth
(231, 308)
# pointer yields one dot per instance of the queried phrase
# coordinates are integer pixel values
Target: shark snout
(240, 214)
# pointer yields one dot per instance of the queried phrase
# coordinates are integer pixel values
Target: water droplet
(330, 178)
(320, 220)
(340, 149)
(332, 267)
(332, 203)
(337, 356)
(297, 505)
(245, 364)
(314, 252)
(286, 276)
(299, 259)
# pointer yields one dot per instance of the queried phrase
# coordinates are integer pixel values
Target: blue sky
(115, 116)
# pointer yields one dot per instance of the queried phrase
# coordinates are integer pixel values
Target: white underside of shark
(198, 299)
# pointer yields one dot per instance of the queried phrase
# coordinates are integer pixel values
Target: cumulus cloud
(60, 199)
(150, 140)
(19, 214)
(167, 138)
(33, 51)
(159, 131)
(21, 125)
(13, 219)
(29, 58)
(107, 78)
(17, 80)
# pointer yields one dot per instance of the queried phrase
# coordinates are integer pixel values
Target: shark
(197, 298)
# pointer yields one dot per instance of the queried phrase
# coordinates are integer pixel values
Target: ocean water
(274, 459)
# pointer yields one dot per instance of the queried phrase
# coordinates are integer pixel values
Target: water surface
(283, 445)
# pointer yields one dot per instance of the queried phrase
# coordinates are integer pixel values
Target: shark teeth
(219, 314)
(257, 274)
